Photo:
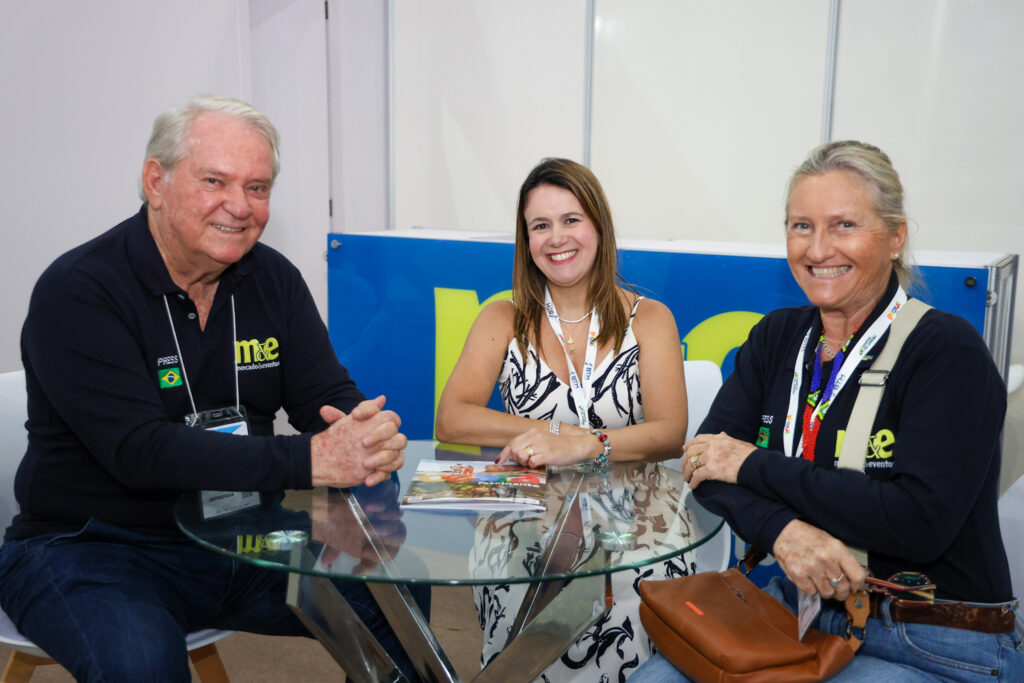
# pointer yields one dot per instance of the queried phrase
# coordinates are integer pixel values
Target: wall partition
(481, 91)
(701, 110)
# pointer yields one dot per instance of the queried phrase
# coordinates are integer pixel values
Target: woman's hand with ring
(817, 562)
(714, 456)
(538, 447)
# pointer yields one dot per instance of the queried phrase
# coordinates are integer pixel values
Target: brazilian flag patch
(169, 377)
(762, 437)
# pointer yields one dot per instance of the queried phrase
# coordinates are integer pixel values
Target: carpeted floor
(250, 658)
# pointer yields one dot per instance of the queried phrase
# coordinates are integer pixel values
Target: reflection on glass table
(594, 523)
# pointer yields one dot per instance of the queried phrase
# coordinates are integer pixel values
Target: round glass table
(593, 523)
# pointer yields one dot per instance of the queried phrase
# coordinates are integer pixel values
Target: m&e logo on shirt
(253, 354)
(253, 350)
(169, 377)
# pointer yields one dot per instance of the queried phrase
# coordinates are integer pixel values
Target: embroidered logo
(169, 378)
(253, 354)
(880, 448)
(762, 437)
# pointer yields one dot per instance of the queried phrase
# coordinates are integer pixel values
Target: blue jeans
(111, 604)
(894, 651)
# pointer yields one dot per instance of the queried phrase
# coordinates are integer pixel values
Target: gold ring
(529, 451)
(695, 463)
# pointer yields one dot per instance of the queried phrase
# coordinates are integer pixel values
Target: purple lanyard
(837, 364)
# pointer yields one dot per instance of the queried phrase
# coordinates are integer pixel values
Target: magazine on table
(476, 485)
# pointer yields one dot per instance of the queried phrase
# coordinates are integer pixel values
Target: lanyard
(838, 380)
(181, 358)
(819, 397)
(580, 390)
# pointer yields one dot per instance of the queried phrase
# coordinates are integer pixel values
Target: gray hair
(885, 189)
(168, 143)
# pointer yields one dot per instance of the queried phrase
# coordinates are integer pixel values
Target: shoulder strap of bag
(872, 384)
(751, 559)
(858, 431)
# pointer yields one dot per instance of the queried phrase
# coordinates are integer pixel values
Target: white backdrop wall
(701, 111)
(289, 84)
(483, 89)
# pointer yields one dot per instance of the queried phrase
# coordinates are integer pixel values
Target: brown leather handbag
(719, 626)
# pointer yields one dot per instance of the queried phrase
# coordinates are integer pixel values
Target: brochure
(462, 485)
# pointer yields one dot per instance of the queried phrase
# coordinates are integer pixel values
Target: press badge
(809, 607)
(230, 420)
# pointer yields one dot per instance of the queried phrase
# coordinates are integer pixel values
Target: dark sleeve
(313, 377)
(756, 518)
(95, 391)
(949, 403)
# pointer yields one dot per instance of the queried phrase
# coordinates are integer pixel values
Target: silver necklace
(577, 320)
(826, 348)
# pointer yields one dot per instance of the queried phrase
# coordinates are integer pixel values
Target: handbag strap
(858, 431)
(858, 609)
(872, 384)
(751, 559)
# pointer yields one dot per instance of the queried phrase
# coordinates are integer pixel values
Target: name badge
(230, 420)
(808, 609)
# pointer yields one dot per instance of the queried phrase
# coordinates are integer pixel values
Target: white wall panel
(483, 89)
(81, 84)
(289, 85)
(702, 110)
(938, 86)
(358, 76)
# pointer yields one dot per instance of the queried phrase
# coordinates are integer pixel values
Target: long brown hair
(527, 279)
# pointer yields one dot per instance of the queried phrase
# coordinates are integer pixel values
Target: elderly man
(137, 345)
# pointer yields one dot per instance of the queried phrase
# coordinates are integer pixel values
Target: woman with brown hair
(570, 353)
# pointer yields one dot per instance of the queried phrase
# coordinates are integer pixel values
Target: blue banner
(399, 308)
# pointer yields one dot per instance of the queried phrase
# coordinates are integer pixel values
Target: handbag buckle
(874, 378)
(858, 607)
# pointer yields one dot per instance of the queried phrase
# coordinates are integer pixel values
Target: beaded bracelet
(602, 459)
(555, 426)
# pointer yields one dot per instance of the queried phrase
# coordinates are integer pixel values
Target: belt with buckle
(981, 618)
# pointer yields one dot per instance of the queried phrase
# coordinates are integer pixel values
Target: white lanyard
(863, 347)
(580, 390)
(181, 358)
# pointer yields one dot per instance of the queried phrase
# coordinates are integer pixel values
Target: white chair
(703, 380)
(26, 656)
(1011, 524)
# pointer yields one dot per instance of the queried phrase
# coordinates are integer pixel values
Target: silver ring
(835, 582)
